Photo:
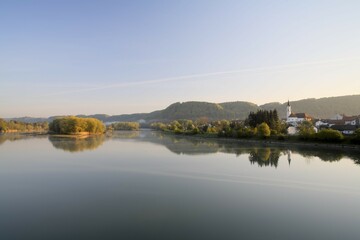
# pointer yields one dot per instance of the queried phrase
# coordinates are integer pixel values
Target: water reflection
(258, 153)
(265, 157)
(70, 144)
(329, 155)
(124, 134)
(18, 136)
(137, 186)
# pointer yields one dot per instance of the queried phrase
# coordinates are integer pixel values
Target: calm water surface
(145, 185)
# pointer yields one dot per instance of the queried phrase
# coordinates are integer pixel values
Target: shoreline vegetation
(271, 141)
(22, 127)
(262, 126)
(124, 126)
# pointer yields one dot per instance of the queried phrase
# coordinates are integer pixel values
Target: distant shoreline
(78, 135)
(264, 142)
(272, 142)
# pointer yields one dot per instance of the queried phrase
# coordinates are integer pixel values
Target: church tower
(288, 110)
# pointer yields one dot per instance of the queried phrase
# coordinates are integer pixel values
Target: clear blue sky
(85, 57)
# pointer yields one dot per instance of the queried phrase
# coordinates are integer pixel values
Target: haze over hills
(318, 108)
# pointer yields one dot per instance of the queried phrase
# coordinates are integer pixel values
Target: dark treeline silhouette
(271, 118)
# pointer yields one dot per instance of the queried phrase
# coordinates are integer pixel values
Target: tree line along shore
(260, 125)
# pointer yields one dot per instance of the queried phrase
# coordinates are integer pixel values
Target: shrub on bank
(263, 130)
(329, 135)
(125, 126)
(356, 138)
(247, 132)
(281, 137)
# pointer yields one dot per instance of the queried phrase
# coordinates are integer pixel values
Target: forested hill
(318, 108)
(212, 111)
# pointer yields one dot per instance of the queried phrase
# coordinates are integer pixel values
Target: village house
(345, 124)
(345, 129)
(354, 120)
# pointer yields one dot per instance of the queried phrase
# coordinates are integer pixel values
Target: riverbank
(24, 132)
(78, 135)
(273, 142)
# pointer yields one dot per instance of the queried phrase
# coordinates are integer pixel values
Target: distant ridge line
(325, 107)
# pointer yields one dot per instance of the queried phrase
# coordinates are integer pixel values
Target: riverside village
(340, 122)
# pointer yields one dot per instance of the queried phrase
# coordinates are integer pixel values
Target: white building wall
(337, 117)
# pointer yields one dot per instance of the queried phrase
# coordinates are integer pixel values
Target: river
(147, 185)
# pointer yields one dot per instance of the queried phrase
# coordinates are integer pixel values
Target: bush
(158, 126)
(246, 132)
(273, 132)
(357, 133)
(329, 135)
(126, 126)
(281, 137)
(178, 131)
(356, 138)
(195, 131)
(263, 130)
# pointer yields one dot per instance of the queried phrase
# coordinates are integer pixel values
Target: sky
(84, 57)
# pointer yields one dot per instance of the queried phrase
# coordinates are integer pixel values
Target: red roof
(346, 118)
(300, 115)
(336, 122)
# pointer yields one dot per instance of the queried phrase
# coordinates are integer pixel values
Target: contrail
(194, 76)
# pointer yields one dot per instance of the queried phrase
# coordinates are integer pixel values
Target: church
(295, 118)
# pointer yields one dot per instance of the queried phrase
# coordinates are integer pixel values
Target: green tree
(306, 130)
(271, 118)
(175, 126)
(189, 125)
(263, 130)
(3, 126)
(223, 128)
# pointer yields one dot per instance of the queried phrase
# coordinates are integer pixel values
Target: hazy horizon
(120, 57)
(152, 110)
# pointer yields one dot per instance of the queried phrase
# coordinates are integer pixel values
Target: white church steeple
(288, 110)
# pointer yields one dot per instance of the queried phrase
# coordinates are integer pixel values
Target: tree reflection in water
(329, 155)
(73, 144)
(262, 155)
(124, 134)
(258, 153)
(19, 136)
(265, 156)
